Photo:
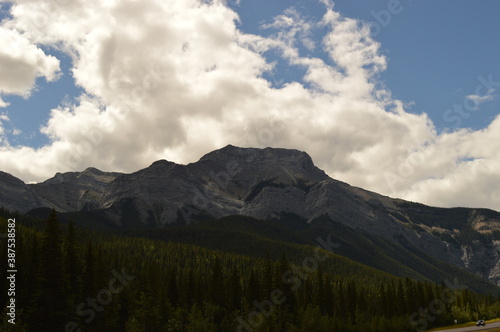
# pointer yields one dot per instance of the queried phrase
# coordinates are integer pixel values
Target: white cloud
(21, 63)
(3, 103)
(480, 99)
(176, 79)
(291, 31)
(3, 118)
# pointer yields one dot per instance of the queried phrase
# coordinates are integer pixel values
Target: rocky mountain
(16, 195)
(74, 191)
(269, 184)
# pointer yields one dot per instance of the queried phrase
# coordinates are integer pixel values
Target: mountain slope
(278, 185)
(74, 191)
(16, 195)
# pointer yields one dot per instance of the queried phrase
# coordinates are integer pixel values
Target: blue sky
(436, 49)
(400, 97)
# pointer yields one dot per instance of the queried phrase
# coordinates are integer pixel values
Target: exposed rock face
(16, 195)
(267, 184)
(75, 191)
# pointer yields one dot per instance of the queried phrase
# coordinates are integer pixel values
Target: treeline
(70, 279)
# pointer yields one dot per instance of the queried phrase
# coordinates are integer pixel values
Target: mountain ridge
(281, 185)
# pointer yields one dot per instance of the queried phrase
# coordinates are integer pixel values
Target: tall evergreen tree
(285, 311)
(252, 290)
(70, 260)
(89, 273)
(172, 289)
(51, 299)
(235, 292)
(281, 269)
(216, 292)
(190, 290)
(267, 277)
(33, 282)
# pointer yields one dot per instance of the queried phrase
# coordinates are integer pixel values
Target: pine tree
(89, 274)
(51, 299)
(328, 296)
(267, 277)
(33, 282)
(235, 291)
(172, 289)
(216, 293)
(70, 260)
(145, 313)
(319, 296)
(190, 290)
(252, 290)
(286, 310)
(402, 305)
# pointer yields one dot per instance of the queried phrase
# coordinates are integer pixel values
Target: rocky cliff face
(272, 184)
(16, 195)
(75, 191)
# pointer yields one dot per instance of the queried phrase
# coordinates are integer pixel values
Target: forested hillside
(72, 279)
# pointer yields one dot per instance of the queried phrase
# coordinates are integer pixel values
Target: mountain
(16, 195)
(74, 191)
(279, 185)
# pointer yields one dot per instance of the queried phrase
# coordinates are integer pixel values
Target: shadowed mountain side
(279, 185)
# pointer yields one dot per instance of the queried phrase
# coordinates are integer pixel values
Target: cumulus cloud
(177, 79)
(21, 63)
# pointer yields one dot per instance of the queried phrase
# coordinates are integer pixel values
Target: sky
(397, 97)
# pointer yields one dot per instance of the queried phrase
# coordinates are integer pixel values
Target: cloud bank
(176, 79)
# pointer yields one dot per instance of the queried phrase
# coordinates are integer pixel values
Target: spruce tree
(267, 277)
(252, 290)
(216, 291)
(235, 291)
(51, 299)
(172, 289)
(190, 291)
(70, 260)
(89, 273)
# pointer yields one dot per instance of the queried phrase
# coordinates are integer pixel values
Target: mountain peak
(253, 155)
(161, 162)
(270, 165)
(92, 170)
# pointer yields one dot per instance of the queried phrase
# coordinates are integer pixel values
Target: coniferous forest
(74, 279)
